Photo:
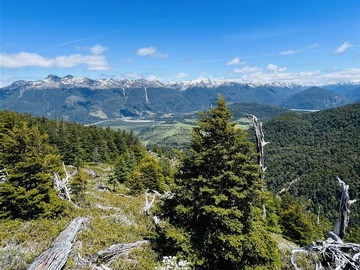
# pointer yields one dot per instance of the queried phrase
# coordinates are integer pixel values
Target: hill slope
(310, 150)
(315, 98)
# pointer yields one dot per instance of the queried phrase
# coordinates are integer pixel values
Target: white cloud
(152, 52)
(146, 51)
(235, 61)
(273, 73)
(181, 75)
(312, 46)
(274, 68)
(23, 59)
(98, 49)
(343, 47)
(94, 61)
(288, 52)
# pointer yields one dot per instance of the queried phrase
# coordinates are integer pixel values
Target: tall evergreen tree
(28, 191)
(214, 218)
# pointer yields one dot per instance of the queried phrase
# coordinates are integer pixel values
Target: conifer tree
(214, 218)
(28, 191)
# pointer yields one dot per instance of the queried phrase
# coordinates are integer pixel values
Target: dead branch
(56, 256)
(334, 253)
(150, 203)
(62, 183)
(260, 142)
(102, 267)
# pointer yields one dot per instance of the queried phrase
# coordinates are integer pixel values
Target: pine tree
(214, 218)
(29, 160)
(151, 174)
(121, 170)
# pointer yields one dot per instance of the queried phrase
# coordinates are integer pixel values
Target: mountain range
(86, 100)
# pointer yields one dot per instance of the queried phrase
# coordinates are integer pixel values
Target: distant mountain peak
(69, 81)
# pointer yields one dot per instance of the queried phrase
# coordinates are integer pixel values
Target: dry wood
(149, 204)
(62, 183)
(260, 143)
(334, 253)
(344, 210)
(119, 249)
(56, 256)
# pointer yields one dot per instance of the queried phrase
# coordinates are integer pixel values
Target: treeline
(310, 150)
(77, 143)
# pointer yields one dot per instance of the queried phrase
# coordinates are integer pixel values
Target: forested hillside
(307, 152)
(206, 207)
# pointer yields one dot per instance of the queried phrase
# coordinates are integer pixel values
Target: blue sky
(298, 41)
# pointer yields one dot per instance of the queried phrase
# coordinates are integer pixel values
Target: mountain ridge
(87, 100)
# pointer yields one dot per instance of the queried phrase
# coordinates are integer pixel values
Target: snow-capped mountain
(87, 100)
(55, 82)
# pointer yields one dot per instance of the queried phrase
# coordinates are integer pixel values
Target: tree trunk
(344, 210)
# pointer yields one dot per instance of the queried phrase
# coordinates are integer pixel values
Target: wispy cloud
(312, 46)
(152, 52)
(343, 47)
(235, 61)
(94, 61)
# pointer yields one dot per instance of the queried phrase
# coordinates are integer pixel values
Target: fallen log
(56, 256)
(119, 250)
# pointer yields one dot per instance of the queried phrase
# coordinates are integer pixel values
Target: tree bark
(56, 256)
(344, 210)
(118, 249)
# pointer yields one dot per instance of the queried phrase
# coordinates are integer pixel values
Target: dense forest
(307, 152)
(210, 207)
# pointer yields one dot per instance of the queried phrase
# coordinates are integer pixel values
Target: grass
(173, 133)
(21, 241)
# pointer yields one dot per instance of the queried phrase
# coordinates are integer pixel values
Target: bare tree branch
(62, 183)
(334, 253)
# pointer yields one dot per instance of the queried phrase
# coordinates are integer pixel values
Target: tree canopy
(29, 162)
